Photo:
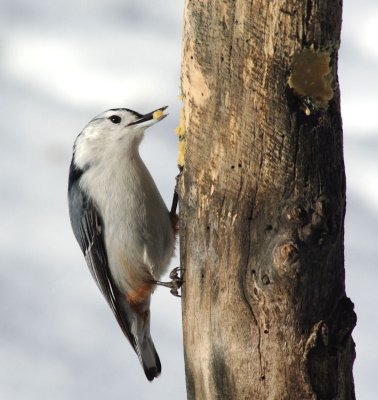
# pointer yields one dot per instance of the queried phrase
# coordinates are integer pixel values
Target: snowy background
(61, 63)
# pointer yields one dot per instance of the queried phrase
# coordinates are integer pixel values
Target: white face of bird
(113, 130)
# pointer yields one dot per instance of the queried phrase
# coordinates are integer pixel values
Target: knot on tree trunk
(286, 258)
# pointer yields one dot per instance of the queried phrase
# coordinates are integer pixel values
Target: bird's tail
(148, 357)
(135, 324)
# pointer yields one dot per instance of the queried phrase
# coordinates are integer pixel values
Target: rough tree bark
(262, 202)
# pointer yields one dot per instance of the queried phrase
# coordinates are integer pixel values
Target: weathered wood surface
(262, 203)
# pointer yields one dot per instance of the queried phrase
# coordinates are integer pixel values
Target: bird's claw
(175, 283)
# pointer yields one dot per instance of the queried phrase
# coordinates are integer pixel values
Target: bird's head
(118, 129)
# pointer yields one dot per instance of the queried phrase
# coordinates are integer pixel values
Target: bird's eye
(115, 119)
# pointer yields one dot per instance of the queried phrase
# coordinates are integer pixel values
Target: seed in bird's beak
(158, 114)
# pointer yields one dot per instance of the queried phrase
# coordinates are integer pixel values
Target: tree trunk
(262, 203)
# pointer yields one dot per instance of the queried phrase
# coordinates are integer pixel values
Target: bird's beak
(150, 118)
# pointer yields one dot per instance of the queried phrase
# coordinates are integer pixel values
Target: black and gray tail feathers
(137, 331)
(151, 362)
(144, 347)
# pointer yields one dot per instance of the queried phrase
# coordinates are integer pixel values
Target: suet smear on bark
(311, 77)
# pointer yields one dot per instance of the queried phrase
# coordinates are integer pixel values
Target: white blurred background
(61, 63)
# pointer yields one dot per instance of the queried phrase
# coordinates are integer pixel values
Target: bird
(122, 225)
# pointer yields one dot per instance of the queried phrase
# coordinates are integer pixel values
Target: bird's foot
(175, 283)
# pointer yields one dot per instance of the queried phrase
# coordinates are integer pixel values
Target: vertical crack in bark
(221, 205)
(295, 152)
(244, 290)
(239, 189)
(232, 32)
(308, 13)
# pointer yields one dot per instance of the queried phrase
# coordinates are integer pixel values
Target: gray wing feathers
(88, 230)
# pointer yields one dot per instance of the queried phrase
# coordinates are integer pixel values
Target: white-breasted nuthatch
(121, 222)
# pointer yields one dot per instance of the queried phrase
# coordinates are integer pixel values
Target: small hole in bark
(269, 227)
(208, 227)
(232, 166)
(253, 271)
(262, 377)
(191, 57)
(266, 331)
(239, 165)
(201, 94)
(222, 58)
(255, 291)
